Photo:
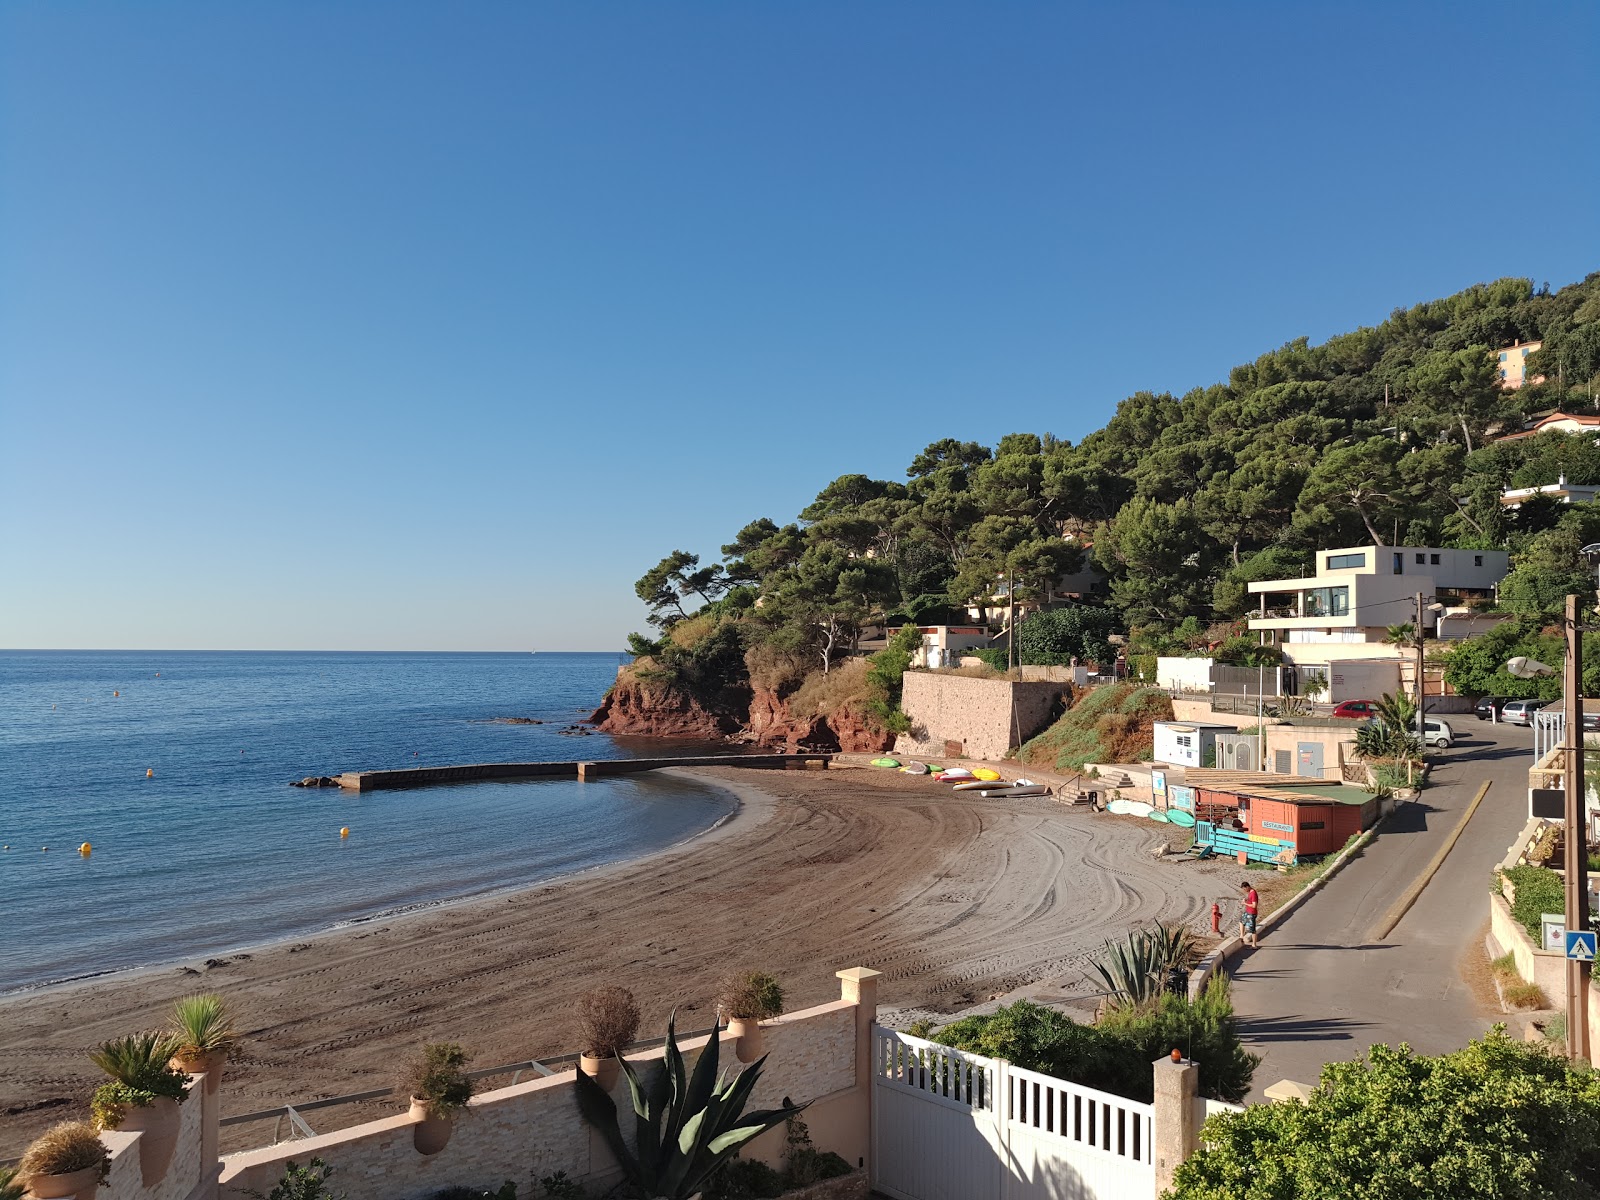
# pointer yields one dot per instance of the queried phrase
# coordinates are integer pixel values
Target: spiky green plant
(203, 1024)
(1135, 970)
(10, 1185)
(687, 1126)
(140, 1072)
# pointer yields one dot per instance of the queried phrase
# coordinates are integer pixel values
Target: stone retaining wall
(973, 717)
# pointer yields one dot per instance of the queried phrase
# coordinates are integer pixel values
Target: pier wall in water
(371, 781)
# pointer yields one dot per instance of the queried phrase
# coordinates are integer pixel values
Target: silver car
(1520, 712)
(1438, 733)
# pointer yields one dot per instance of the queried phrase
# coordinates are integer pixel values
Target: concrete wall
(1362, 680)
(1337, 744)
(1544, 967)
(533, 1129)
(985, 717)
(1184, 674)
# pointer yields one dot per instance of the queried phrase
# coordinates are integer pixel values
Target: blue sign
(1580, 945)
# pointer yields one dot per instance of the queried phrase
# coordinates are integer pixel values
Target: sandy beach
(956, 900)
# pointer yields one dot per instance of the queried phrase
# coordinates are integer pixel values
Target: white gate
(948, 1125)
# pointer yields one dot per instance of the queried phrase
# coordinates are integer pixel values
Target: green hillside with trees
(1384, 434)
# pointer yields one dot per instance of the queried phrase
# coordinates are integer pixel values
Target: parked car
(1488, 707)
(1520, 712)
(1357, 710)
(1437, 733)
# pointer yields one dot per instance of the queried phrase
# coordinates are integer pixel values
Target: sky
(419, 326)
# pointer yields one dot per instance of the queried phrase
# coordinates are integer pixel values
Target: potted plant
(745, 1000)
(68, 1159)
(608, 1020)
(204, 1030)
(142, 1097)
(439, 1088)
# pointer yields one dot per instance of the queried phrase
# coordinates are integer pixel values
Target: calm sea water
(216, 851)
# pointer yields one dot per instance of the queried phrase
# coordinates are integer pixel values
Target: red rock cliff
(641, 709)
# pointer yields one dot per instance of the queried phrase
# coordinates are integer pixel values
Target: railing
(1086, 1118)
(295, 1111)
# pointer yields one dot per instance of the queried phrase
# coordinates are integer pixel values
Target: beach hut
(1271, 820)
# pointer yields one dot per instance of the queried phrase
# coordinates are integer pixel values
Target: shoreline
(724, 825)
(956, 900)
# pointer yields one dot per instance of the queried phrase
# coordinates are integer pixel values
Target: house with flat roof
(1561, 491)
(1343, 612)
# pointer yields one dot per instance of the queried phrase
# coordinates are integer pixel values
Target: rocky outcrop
(848, 728)
(637, 708)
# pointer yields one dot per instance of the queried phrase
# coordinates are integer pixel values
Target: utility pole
(1577, 848)
(1011, 620)
(1422, 693)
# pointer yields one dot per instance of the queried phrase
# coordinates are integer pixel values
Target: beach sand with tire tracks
(955, 899)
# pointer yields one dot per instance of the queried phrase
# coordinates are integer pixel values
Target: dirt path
(953, 899)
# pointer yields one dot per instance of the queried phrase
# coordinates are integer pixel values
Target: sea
(175, 767)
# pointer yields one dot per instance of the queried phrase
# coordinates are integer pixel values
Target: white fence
(948, 1125)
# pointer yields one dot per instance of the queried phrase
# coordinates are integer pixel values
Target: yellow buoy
(344, 832)
(149, 773)
(85, 849)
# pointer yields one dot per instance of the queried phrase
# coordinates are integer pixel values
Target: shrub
(803, 1163)
(1115, 1055)
(309, 1182)
(1539, 890)
(560, 1187)
(11, 1185)
(140, 1075)
(1058, 635)
(1105, 724)
(203, 1025)
(745, 1179)
(506, 1191)
(608, 1020)
(1495, 1120)
(65, 1148)
(752, 996)
(438, 1077)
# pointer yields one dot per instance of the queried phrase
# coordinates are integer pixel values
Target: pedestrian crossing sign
(1580, 945)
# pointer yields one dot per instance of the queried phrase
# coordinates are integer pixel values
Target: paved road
(1320, 989)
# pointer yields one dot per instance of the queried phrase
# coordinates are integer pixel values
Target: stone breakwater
(372, 781)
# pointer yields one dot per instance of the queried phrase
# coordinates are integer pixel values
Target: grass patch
(822, 694)
(1523, 995)
(1105, 724)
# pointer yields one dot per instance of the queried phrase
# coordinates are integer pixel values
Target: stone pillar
(1177, 1133)
(586, 770)
(210, 1100)
(859, 985)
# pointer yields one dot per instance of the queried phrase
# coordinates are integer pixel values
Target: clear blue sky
(391, 326)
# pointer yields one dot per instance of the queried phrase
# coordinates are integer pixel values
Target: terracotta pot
(430, 1134)
(209, 1064)
(157, 1125)
(603, 1071)
(748, 1030)
(56, 1187)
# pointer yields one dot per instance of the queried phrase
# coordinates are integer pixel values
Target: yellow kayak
(985, 774)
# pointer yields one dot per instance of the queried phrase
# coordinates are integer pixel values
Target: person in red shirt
(1247, 918)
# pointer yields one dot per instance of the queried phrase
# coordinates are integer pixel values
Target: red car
(1357, 710)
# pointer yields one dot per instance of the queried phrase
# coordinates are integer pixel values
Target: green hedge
(1539, 890)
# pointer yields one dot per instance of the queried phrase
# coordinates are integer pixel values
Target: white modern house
(1561, 491)
(1340, 616)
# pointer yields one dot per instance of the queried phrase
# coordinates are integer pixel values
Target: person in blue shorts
(1247, 916)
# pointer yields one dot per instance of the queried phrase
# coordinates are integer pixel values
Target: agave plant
(687, 1125)
(1136, 970)
(10, 1185)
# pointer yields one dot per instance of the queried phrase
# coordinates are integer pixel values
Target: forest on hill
(1384, 434)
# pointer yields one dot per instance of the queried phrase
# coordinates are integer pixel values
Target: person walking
(1247, 916)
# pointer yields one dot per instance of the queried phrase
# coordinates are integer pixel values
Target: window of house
(1338, 561)
(1502, 356)
(1311, 824)
(1399, 564)
(1502, 372)
(1524, 354)
(1327, 602)
(1477, 560)
(1433, 560)
(1420, 560)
